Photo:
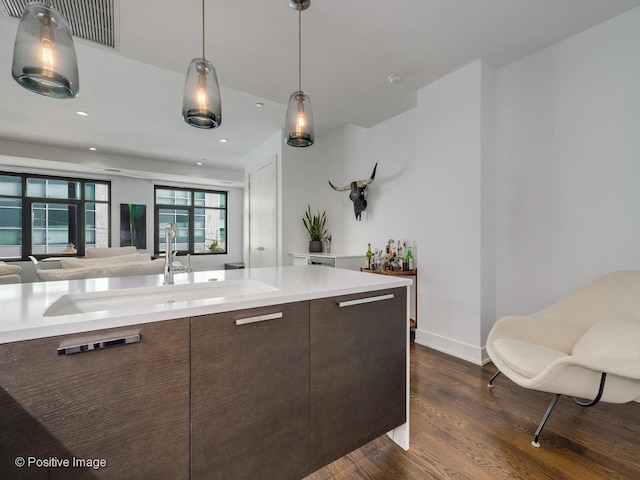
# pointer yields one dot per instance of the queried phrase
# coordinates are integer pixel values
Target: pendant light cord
(299, 49)
(203, 57)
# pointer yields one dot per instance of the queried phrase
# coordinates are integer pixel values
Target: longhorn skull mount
(356, 193)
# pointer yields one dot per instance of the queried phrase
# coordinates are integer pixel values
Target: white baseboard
(452, 347)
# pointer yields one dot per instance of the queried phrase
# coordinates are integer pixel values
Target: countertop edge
(294, 284)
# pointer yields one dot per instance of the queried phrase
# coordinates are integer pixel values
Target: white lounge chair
(585, 346)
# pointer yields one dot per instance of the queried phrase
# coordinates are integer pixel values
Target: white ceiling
(133, 95)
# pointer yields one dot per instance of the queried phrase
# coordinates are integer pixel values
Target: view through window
(201, 217)
(44, 215)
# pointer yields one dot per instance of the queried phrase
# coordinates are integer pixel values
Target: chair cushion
(9, 269)
(525, 358)
(611, 337)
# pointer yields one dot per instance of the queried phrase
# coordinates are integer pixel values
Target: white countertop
(329, 255)
(22, 305)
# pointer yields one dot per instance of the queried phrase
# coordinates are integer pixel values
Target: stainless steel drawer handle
(98, 344)
(360, 301)
(259, 318)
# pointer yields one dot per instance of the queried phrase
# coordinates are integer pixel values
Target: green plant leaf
(315, 224)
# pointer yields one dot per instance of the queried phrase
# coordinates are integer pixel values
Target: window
(42, 215)
(201, 217)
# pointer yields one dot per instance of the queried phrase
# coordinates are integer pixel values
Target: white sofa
(112, 262)
(587, 345)
(9, 273)
(105, 252)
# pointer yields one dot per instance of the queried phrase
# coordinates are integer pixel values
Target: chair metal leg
(598, 396)
(495, 375)
(554, 400)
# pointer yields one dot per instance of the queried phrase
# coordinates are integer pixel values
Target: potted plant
(216, 246)
(315, 226)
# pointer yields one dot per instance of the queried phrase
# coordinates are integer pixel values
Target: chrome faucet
(170, 231)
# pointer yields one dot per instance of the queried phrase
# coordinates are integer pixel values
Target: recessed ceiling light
(198, 163)
(395, 78)
(93, 149)
(259, 104)
(81, 113)
(223, 140)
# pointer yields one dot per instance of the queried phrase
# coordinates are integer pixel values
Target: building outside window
(46, 215)
(201, 217)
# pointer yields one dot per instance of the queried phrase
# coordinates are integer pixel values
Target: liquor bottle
(369, 255)
(410, 265)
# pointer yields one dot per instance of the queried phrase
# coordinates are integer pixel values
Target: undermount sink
(153, 296)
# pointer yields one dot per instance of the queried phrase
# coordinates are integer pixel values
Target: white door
(262, 217)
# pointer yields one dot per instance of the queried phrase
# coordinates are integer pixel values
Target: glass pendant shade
(299, 123)
(202, 105)
(44, 56)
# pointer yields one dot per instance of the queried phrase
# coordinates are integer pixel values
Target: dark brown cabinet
(250, 394)
(357, 371)
(274, 392)
(127, 406)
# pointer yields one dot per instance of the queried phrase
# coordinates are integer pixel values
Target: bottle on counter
(410, 265)
(369, 255)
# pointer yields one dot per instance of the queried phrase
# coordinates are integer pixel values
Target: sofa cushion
(9, 269)
(110, 270)
(525, 358)
(109, 251)
(75, 262)
(611, 337)
(11, 278)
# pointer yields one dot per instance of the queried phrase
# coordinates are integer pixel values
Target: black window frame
(80, 224)
(191, 217)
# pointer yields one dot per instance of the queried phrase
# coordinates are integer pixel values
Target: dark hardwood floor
(460, 429)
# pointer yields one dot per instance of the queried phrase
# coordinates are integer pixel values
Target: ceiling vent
(93, 20)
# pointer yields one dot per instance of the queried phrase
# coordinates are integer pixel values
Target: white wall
(528, 182)
(346, 154)
(488, 201)
(135, 191)
(455, 157)
(350, 153)
(568, 165)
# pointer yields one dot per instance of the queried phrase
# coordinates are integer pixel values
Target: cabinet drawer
(127, 404)
(358, 371)
(250, 394)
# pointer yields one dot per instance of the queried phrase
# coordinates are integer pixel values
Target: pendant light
(44, 55)
(201, 104)
(299, 122)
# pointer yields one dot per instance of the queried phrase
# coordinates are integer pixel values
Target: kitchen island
(255, 373)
